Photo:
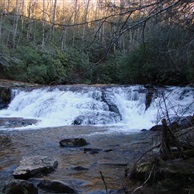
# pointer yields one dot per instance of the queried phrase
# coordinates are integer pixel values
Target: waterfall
(99, 105)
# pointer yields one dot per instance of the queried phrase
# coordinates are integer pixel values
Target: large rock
(20, 187)
(56, 186)
(109, 100)
(5, 97)
(34, 165)
(105, 117)
(73, 142)
(177, 173)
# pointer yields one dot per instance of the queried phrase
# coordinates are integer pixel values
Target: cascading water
(99, 105)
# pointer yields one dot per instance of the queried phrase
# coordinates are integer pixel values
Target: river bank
(116, 151)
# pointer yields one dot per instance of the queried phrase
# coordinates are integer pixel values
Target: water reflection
(16, 144)
(8, 153)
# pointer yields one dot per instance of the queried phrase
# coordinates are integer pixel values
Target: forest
(97, 41)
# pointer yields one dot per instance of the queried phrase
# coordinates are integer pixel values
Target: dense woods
(97, 41)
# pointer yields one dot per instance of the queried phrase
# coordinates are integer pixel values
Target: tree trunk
(43, 23)
(169, 140)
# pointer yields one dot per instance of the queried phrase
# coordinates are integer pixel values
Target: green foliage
(162, 59)
(109, 71)
(52, 66)
(165, 57)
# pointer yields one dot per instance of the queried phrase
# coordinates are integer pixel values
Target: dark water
(123, 149)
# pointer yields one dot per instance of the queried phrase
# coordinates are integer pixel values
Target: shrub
(162, 60)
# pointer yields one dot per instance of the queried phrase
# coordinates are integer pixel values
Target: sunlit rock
(34, 165)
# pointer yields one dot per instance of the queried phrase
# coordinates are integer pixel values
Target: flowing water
(116, 151)
(99, 105)
(109, 118)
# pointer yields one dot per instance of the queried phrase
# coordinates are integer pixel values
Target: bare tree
(43, 23)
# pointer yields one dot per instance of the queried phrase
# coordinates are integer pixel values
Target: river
(110, 118)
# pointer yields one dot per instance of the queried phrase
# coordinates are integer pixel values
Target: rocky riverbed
(84, 170)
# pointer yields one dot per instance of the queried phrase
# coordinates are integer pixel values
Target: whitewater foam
(123, 106)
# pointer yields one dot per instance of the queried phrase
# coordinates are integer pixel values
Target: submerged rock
(20, 187)
(92, 150)
(56, 186)
(80, 168)
(73, 142)
(34, 165)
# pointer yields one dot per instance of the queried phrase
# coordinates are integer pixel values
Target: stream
(109, 118)
(117, 150)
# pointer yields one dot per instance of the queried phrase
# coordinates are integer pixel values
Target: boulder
(170, 175)
(73, 142)
(34, 165)
(5, 97)
(80, 168)
(105, 117)
(56, 186)
(92, 150)
(111, 104)
(20, 187)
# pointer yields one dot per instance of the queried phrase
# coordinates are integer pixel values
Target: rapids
(123, 106)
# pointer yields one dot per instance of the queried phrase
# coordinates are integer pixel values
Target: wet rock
(3, 105)
(94, 118)
(111, 104)
(20, 187)
(56, 186)
(73, 142)
(80, 168)
(34, 165)
(144, 130)
(5, 97)
(92, 150)
(78, 120)
(108, 150)
(157, 128)
(149, 94)
(16, 122)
